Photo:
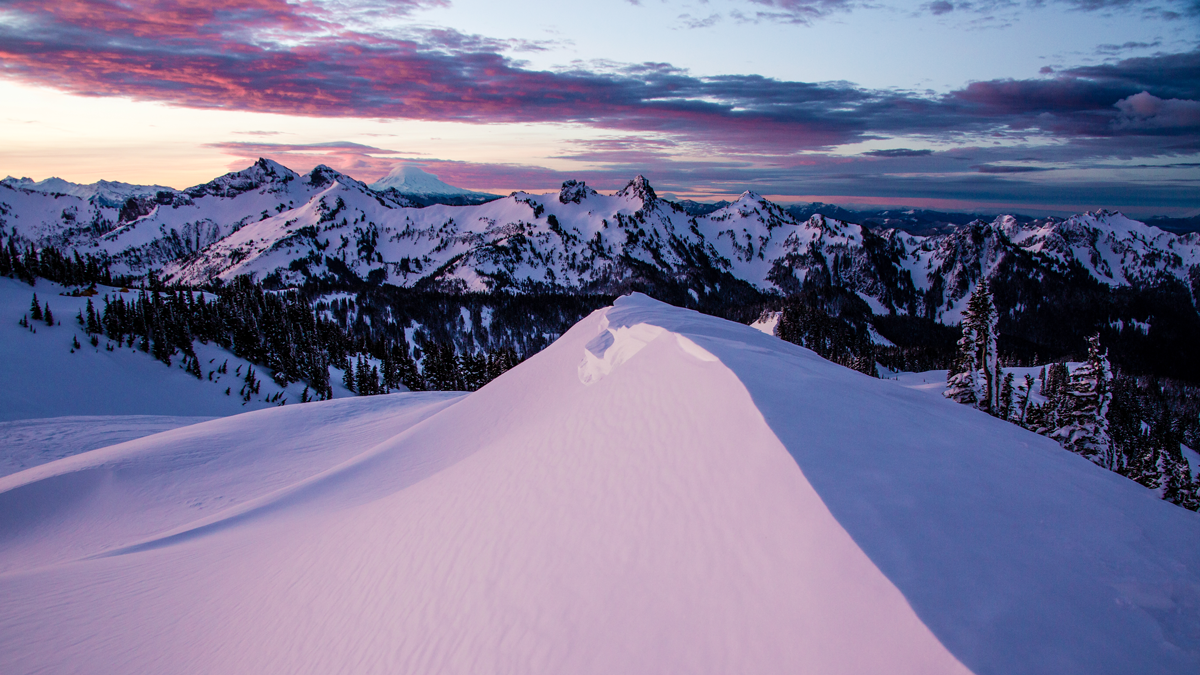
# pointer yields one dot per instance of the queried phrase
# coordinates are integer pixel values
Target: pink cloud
(1146, 111)
(299, 58)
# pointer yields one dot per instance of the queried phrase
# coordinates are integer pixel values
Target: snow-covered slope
(30, 442)
(659, 491)
(42, 375)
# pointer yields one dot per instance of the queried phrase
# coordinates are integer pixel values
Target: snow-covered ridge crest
(106, 193)
(614, 345)
(770, 513)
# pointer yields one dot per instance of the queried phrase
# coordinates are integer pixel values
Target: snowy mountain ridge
(272, 222)
(111, 194)
(658, 491)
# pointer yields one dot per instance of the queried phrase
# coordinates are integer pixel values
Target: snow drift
(659, 491)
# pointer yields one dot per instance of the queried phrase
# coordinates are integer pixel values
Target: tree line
(382, 339)
(282, 332)
(30, 264)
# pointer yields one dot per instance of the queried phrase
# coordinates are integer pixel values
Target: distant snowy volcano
(657, 492)
(413, 182)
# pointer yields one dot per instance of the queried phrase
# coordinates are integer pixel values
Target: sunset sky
(1042, 106)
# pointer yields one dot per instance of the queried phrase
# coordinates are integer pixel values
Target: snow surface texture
(659, 491)
(28, 443)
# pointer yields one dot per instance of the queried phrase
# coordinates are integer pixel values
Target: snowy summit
(657, 492)
(409, 179)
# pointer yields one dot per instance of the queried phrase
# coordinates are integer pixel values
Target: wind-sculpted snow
(1020, 556)
(120, 495)
(658, 491)
(30, 442)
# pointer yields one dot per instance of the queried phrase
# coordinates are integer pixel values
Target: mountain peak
(639, 188)
(263, 172)
(409, 179)
(323, 175)
(573, 192)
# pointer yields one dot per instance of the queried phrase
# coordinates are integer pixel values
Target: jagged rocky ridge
(278, 225)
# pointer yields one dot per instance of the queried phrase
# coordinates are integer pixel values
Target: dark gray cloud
(1128, 46)
(995, 9)
(800, 11)
(991, 168)
(898, 152)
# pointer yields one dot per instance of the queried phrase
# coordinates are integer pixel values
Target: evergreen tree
(1130, 436)
(48, 315)
(92, 322)
(975, 376)
(474, 371)
(500, 361)
(389, 372)
(193, 367)
(35, 310)
(833, 324)
(1045, 418)
(1024, 391)
(1083, 420)
(440, 368)
(966, 380)
(981, 311)
(960, 379)
(1006, 397)
(406, 369)
(251, 385)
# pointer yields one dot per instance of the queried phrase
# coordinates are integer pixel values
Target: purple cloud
(222, 54)
(230, 54)
(990, 168)
(801, 11)
(1146, 111)
(898, 152)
